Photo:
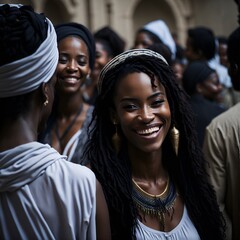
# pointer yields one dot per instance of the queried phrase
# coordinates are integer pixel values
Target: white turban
(27, 74)
(160, 29)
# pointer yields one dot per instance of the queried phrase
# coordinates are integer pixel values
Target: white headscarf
(160, 29)
(27, 74)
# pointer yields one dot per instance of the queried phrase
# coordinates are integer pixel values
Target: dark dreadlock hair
(21, 33)
(187, 169)
(113, 44)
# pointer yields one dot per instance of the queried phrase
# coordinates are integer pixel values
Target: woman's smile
(143, 111)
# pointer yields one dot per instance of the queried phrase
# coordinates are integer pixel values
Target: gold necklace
(151, 195)
(155, 205)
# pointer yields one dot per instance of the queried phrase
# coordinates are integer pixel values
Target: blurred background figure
(176, 64)
(222, 50)
(178, 67)
(162, 49)
(180, 51)
(201, 45)
(108, 45)
(222, 45)
(68, 123)
(155, 32)
(202, 85)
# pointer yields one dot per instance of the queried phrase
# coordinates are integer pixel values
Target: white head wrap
(26, 75)
(160, 29)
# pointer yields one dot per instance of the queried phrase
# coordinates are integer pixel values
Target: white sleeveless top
(185, 230)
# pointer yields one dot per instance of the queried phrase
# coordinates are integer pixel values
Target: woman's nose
(72, 66)
(146, 114)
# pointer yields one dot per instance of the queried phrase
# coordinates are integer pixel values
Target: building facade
(127, 16)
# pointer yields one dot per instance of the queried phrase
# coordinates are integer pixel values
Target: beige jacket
(222, 151)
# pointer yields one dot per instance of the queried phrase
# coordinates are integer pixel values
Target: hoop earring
(116, 139)
(174, 133)
(46, 103)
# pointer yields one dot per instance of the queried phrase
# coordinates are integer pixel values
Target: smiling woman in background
(67, 126)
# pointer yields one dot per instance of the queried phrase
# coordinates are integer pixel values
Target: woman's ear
(45, 94)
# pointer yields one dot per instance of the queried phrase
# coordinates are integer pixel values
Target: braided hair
(21, 33)
(187, 169)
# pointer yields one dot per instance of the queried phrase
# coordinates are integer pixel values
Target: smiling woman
(143, 110)
(67, 127)
(152, 190)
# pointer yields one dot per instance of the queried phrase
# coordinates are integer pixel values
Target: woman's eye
(157, 103)
(130, 107)
(82, 61)
(62, 59)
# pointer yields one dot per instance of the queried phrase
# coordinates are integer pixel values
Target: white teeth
(71, 79)
(148, 131)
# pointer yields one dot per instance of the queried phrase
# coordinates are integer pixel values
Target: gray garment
(81, 141)
(43, 196)
(185, 230)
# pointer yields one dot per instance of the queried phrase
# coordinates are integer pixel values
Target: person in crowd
(178, 67)
(180, 55)
(222, 148)
(204, 89)
(145, 153)
(68, 123)
(201, 45)
(223, 59)
(156, 31)
(222, 50)
(42, 196)
(162, 49)
(176, 64)
(108, 45)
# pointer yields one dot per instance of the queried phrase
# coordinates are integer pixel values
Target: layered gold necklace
(156, 205)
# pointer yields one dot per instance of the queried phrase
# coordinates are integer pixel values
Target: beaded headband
(124, 56)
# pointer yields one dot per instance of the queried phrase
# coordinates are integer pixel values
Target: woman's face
(143, 40)
(211, 88)
(73, 65)
(101, 59)
(142, 111)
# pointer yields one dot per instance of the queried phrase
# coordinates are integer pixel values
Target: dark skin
(72, 70)
(25, 129)
(101, 59)
(140, 108)
(143, 40)
(27, 126)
